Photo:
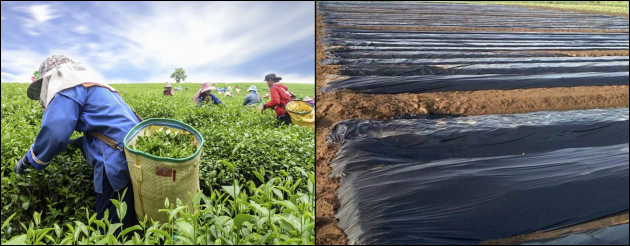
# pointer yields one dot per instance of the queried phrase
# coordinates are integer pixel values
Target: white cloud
(168, 35)
(2, 17)
(19, 65)
(40, 14)
(81, 29)
(191, 38)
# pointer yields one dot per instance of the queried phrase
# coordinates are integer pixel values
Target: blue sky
(131, 42)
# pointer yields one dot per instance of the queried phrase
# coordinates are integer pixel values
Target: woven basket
(156, 178)
(301, 119)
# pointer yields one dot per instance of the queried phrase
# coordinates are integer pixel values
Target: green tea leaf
(240, 218)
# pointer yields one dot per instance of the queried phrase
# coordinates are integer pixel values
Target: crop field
(451, 124)
(273, 166)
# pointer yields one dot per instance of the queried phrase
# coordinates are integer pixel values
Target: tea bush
(63, 191)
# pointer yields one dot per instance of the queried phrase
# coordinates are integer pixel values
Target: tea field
(272, 165)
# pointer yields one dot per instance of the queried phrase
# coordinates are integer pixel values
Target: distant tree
(179, 75)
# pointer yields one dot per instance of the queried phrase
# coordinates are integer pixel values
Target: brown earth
(326, 228)
(578, 11)
(584, 53)
(341, 105)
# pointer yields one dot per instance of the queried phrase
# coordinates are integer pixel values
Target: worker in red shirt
(280, 95)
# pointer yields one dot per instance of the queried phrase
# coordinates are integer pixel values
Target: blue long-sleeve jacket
(92, 109)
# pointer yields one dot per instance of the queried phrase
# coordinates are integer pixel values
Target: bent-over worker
(73, 100)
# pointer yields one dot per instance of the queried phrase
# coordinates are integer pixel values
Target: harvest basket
(156, 178)
(306, 118)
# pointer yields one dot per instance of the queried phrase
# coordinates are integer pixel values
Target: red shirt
(279, 97)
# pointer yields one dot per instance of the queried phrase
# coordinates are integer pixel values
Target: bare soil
(584, 53)
(342, 105)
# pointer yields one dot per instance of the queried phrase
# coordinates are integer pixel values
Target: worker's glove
(77, 143)
(22, 165)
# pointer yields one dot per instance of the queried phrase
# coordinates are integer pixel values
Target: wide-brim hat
(35, 88)
(206, 87)
(307, 98)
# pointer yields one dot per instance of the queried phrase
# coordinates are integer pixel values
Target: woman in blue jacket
(71, 103)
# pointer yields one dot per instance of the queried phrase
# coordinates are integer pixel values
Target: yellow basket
(301, 119)
(156, 178)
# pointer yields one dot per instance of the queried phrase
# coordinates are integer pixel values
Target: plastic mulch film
(444, 83)
(472, 179)
(480, 43)
(514, 68)
(613, 235)
(435, 54)
(470, 61)
(451, 15)
(463, 47)
(338, 34)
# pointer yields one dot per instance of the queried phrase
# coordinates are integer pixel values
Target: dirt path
(346, 105)
(327, 230)
(342, 105)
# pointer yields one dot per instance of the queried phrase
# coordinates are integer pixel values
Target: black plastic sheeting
(516, 68)
(471, 49)
(363, 34)
(445, 83)
(462, 15)
(354, 23)
(613, 235)
(472, 179)
(436, 54)
(469, 61)
(477, 43)
(402, 61)
(475, 136)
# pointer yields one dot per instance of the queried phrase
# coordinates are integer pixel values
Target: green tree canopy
(179, 75)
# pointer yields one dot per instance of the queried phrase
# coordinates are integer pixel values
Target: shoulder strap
(109, 141)
(138, 116)
(106, 140)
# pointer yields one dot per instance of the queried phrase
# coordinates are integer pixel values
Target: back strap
(138, 116)
(106, 140)
(109, 141)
